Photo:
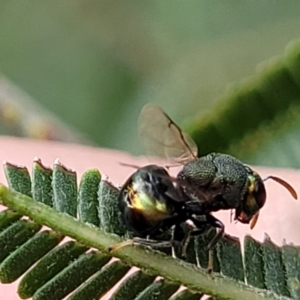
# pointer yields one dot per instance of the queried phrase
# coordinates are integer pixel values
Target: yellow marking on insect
(134, 199)
(144, 202)
(251, 202)
(161, 206)
(137, 203)
(148, 206)
(251, 185)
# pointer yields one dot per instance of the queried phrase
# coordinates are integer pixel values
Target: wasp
(151, 201)
(212, 182)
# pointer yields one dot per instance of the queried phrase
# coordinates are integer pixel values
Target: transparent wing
(162, 137)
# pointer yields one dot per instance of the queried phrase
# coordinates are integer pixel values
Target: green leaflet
(158, 290)
(42, 183)
(109, 214)
(253, 257)
(15, 235)
(27, 254)
(257, 116)
(101, 282)
(230, 257)
(72, 276)
(133, 285)
(64, 189)
(18, 178)
(274, 268)
(186, 295)
(291, 260)
(54, 262)
(7, 218)
(87, 197)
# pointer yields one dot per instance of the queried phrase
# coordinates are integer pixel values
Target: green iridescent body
(220, 181)
(149, 201)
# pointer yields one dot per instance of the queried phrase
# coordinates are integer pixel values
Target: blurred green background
(94, 64)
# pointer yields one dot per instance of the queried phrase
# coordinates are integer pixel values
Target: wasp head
(253, 200)
(255, 197)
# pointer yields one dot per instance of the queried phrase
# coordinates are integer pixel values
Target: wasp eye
(260, 193)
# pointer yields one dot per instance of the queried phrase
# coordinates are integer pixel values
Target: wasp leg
(120, 245)
(211, 221)
(219, 225)
(144, 242)
(191, 233)
(178, 237)
(174, 243)
(210, 264)
(214, 222)
(185, 244)
(152, 243)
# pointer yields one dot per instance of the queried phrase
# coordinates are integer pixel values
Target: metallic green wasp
(151, 201)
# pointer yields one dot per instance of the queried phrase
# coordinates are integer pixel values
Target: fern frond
(73, 268)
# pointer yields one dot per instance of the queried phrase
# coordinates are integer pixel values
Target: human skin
(279, 217)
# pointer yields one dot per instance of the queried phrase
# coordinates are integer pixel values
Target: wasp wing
(162, 137)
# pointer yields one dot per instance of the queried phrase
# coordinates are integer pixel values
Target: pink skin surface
(279, 217)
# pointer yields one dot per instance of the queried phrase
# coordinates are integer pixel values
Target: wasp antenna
(172, 166)
(120, 245)
(254, 221)
(128, 165)
(285, 184)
